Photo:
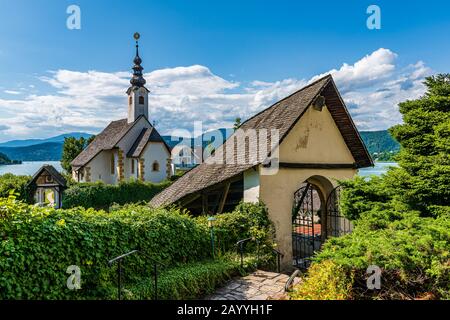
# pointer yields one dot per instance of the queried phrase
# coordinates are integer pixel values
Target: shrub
(38, 244)
(99, 195)
(325, 281)
(10, 182)
(190, 281)
(246, 221)
(412, 251)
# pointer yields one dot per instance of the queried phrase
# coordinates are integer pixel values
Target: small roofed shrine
(48, 186)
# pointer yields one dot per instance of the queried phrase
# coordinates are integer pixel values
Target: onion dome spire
(137, 80)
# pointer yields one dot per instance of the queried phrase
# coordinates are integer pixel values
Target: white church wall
(100, 167)
(155, 151)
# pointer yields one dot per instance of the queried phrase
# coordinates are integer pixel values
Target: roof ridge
(289, 96)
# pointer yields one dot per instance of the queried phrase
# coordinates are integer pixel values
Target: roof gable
(147, 135)
(58, 177)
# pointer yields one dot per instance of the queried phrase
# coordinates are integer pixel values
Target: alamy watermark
(73, 21)
(243, 147)
(374, 20)
(374, 280)
(74, 280)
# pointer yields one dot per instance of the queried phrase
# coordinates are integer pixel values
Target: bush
(412, 251)
(10, 182)
(38, 244)
(99, 195)
(325, 281)
(246, 221)
(190, 281)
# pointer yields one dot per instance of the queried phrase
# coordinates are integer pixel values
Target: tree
(425, 140)
(237, 123)
(71, 149)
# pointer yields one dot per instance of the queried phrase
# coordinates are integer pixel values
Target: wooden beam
(291, 165)
(224, 198)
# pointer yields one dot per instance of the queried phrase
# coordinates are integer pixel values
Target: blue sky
(209, 60)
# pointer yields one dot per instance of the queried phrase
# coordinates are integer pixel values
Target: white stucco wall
(135, 109)
(155, 151)
(251, 185)
(100, 167)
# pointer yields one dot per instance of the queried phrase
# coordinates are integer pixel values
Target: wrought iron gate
(306, 225)
(311, 226)
(337, 224)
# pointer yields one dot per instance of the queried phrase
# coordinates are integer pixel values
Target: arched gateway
(312, 143)
(315, 218)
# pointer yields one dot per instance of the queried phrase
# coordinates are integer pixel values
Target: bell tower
(137, 93)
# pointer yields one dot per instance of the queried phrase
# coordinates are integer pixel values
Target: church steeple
(137, 80)
(137, 93)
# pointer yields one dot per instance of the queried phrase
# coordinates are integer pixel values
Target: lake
(29, 168)
(378, 169)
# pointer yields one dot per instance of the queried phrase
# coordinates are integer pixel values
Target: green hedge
(10, 182)
(38, 244)
(101, 196)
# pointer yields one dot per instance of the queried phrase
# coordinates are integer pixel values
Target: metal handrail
(119, 271)
(240, 246)
(279, 255)
(291, 280)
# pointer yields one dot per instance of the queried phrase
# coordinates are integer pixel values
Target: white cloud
(372, 69)
(372, 87)
(11, 92)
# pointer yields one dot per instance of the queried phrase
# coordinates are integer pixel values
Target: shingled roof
(283, 115)
(106, 140)
(146, 135)
(58, 177)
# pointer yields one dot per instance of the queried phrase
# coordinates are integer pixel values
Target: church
(129, 148)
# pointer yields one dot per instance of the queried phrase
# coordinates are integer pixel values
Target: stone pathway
(260, 285)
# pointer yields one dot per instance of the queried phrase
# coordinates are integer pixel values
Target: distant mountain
(32, 142)
(380, 144)
(4, 159)
(49, 151)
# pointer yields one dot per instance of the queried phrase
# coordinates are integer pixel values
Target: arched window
(141, 100)
(130, 100)
(113, 164)
(155, 166)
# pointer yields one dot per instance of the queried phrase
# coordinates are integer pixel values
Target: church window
(130, 100)
(155, 166)
(141, 100)
(132, 166)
